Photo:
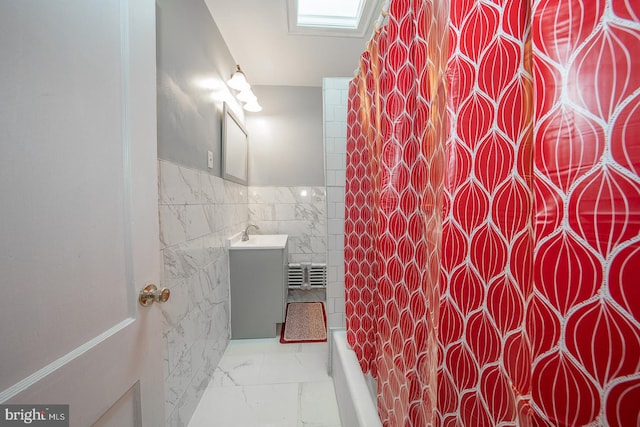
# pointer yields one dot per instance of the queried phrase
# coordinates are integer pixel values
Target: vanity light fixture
(238, 80)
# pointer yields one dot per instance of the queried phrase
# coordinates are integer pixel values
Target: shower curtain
(493, 213)
(484, 372)
(583, 319)
(392, 225)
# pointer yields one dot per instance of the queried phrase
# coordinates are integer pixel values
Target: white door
(78, 209)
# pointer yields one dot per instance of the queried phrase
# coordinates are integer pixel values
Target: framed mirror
(235, 147)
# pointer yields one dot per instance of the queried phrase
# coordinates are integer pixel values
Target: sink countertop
(259, 241)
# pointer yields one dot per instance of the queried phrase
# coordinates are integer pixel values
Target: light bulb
(247, 95)
(253, 107)
(238, 80)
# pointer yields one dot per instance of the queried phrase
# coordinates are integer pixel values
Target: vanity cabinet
(258, 289)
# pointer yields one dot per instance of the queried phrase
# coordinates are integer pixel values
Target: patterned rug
(304, 322)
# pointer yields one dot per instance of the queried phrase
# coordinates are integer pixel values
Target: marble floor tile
(248, 406)
(318, 405)
(259, 346)
(238, 370)
(314, 347)
(293, 368)
(262, 383)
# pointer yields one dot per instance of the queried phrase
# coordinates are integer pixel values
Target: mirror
(235, 146)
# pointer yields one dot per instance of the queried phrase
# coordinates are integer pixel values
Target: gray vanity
(258, 272)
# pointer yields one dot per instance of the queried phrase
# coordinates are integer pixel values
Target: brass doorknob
(151, 294)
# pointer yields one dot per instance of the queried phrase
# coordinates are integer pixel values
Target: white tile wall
(300, 212)
(335, 96)
(198, 212)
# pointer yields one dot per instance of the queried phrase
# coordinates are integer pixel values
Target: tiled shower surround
(198, 212)
(335, 97)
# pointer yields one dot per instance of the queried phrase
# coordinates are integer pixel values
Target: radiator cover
(313, 273)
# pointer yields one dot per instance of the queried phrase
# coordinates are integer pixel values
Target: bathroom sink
(258, 284)
(259, 241)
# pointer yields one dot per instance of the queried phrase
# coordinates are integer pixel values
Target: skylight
(332, 18)
(330, 13)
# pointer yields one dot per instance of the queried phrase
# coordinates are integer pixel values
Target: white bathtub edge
(354, 399)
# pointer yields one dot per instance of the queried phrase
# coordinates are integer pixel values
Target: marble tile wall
(198, 212)
(335, 96)
(299, 212)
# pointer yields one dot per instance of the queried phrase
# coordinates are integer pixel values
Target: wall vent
(296, 275)
(306, 274)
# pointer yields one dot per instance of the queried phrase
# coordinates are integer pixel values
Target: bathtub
(356, 401)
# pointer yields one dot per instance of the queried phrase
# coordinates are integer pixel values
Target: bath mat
(304, 322)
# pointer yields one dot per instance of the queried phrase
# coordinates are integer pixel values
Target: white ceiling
(256, 32)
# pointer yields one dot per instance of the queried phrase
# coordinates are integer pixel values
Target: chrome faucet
(245, 233)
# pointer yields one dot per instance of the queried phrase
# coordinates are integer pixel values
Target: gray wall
(286, 145)
(193, 64)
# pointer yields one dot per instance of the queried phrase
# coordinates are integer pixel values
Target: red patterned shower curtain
(392, 227)
(536, 313)
(584, 319)
(484, 371)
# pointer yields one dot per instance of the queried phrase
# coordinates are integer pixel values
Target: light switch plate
(210, 159)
